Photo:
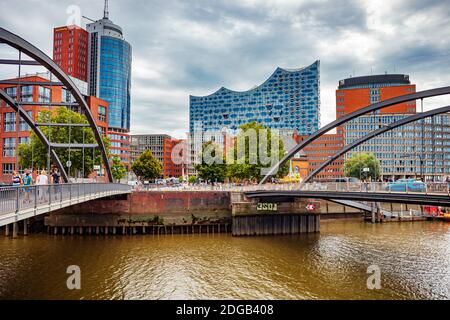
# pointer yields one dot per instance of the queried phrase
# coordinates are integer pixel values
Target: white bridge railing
(44, 198)
(420, 188)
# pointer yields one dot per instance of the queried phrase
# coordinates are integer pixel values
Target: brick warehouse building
(319, 151)
(10, 137)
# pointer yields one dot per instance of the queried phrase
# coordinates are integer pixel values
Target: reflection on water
(413, 257)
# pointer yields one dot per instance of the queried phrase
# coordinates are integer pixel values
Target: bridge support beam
(15, 230)
(373, 213)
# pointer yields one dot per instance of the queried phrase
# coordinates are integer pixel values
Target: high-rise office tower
(109, 78)
(110, 69)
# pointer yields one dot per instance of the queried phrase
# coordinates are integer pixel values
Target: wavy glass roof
(288, 99)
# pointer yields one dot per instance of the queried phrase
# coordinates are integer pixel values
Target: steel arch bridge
(41, 59)
(348, 117)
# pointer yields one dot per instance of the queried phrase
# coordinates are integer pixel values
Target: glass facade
(289, 99)
(419, 148)
(115, 80)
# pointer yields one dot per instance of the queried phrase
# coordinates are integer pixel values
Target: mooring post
(7, 230)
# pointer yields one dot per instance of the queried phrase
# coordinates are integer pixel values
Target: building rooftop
(397, 79)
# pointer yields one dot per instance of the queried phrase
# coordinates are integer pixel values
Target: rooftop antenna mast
(106, 11)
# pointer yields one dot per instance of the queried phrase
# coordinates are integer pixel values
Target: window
(23, 126)
(24, 140)
(12, 92)
(8, 168)
(10, 122)
(9, 146)
(44, 94)
(27, 94)
(102, 113)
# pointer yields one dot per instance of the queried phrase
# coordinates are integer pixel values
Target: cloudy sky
(195, 47)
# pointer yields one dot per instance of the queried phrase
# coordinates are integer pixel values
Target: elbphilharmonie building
(288, 100)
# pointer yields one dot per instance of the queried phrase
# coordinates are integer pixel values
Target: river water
(414, 260)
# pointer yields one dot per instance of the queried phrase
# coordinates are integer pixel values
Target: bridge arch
(373, 107)
(375, 133)
(41, 59)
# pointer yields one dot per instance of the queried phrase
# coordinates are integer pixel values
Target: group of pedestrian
(42, 179)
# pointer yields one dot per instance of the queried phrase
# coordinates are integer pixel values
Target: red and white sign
(311, 207)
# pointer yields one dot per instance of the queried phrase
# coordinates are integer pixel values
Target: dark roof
(375, 79)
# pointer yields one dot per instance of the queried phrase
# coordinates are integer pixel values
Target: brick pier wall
(147, 208)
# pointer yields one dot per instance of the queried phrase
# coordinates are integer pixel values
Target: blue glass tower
(110, 70)
(288, 99)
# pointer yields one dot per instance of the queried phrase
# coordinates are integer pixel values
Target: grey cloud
(195, 47)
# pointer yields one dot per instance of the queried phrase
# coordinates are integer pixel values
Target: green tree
(255, 142)
(35, 152)
(212, 166)
(146, 166)
(117, 168)
(354, 166)
(192, 179)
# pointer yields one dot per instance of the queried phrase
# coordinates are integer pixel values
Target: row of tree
(256, 149)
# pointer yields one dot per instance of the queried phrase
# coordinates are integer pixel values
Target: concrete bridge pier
(253, 217)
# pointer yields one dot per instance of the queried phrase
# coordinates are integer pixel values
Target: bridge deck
(434, 199)
(19, 203)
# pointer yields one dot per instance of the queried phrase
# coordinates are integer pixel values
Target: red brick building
(120, 146)
(14, 130)
(70, 50)
(319, 151)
